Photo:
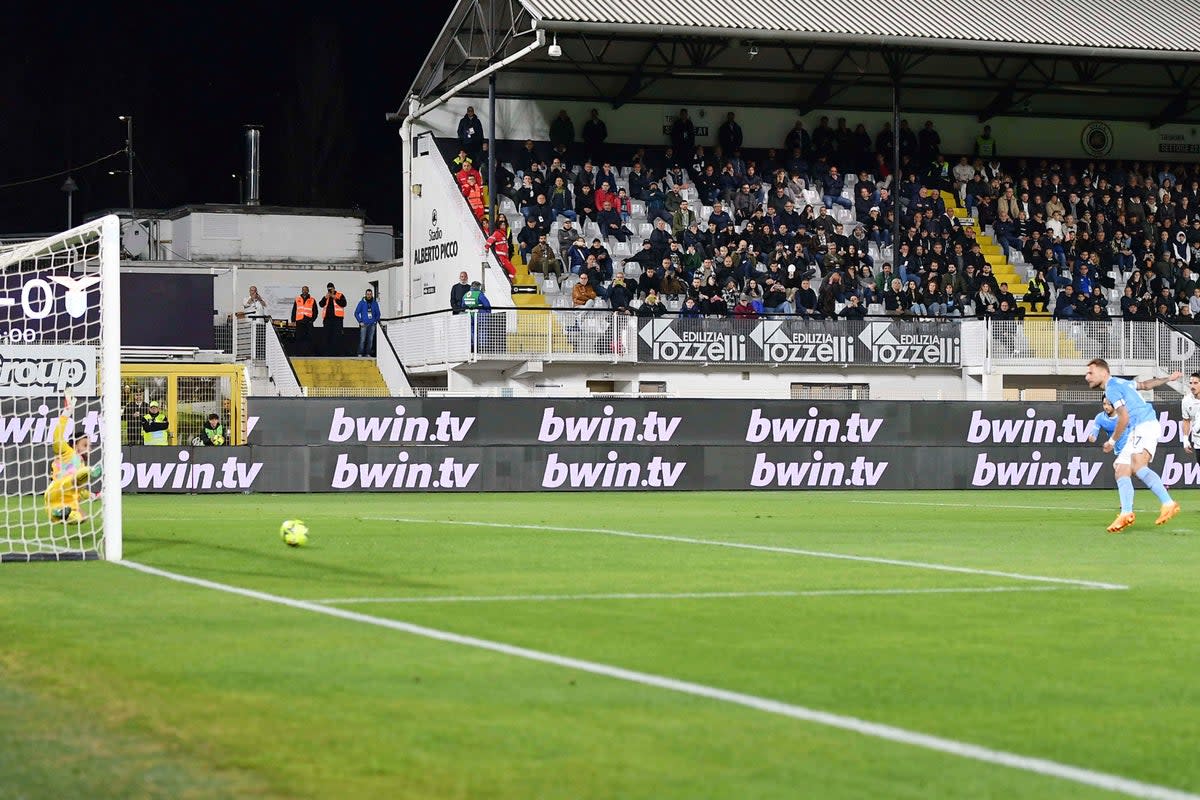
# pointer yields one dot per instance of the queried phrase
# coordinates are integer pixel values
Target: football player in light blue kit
(1138, 419)
(1106, 422)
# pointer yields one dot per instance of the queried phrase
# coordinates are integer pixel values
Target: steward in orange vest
(333, 312)
(304, 314)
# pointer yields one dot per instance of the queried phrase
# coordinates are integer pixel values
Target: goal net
(60, 396)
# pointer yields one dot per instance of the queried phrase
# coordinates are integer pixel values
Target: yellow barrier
(188, 394)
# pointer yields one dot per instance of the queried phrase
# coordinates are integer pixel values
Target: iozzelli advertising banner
(798, 341)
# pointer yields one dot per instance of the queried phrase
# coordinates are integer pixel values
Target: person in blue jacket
(367, 314)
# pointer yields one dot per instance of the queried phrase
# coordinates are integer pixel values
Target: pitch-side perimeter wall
(488, 444)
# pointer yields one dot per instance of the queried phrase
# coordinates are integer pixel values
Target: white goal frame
(109, 387)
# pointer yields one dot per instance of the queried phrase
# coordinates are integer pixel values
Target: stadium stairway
(1005, 271)
(340, 377)
(530, 332)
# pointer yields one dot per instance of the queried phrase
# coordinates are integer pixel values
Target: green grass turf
(119, 684)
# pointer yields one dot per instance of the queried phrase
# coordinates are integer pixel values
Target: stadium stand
(989, 237)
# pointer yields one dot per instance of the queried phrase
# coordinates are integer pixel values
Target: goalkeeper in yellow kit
(69, 471)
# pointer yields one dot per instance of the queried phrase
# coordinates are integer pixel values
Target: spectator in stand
(567, 234)
(683, 134)
(541, 213)
(639, 181)
(562, 204)
(254, 307)
(744, 308)
(671, 284)
(583, 295)
(470, 133)
(986, 301)
(366, 313)
(619, 294)
(333, 313)
(651, 306)
(690, 309)
(586, 205)
(577, 256)
(526, 194)
(527, 238)
(611, 225)
(929, 143)
(832, 186)
(660, 239)
(543, 260)
(650, 281)
(934, 299)
(595, 132)
(775, 299)
(562, 130)
(854, 308)
(730, 135)
(1065, 305)
(682, 219)
(457, 292)
(720, 217)
(646, 257)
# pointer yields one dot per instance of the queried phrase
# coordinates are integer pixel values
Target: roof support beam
(1179, 105)
(823, 91)
(998, 104)
(634, 86)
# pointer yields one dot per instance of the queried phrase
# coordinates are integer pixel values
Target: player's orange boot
(1122, 522)
(1168, 510)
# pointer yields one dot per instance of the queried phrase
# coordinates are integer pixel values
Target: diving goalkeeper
(69, 471)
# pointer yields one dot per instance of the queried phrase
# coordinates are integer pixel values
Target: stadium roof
(1136, 60)
(1146, 25)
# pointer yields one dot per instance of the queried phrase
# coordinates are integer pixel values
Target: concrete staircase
(1004, 271)
(340, 377)
(530, 333)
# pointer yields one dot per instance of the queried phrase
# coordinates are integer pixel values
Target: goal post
(60, 325)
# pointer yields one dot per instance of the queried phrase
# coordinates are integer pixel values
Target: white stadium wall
(571, 380)
(445, 239)
(638, 124)
(276, 237)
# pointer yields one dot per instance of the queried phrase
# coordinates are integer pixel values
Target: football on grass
(294, 533)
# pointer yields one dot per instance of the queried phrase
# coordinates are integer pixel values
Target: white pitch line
(1039, 766)
(766, 549)
(546, 598)
(969, 505)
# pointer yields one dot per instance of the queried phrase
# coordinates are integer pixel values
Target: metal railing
(245, 338)
(1068, 344)
(279, 367)
(515, 335)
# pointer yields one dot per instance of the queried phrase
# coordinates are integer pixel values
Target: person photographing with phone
(333, 315)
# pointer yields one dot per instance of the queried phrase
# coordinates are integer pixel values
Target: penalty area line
(552, 598)
(1038, 766)
(767, 549)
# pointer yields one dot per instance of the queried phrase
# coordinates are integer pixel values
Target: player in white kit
(1191, 417)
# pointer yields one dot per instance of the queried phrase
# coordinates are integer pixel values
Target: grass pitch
(119, 684)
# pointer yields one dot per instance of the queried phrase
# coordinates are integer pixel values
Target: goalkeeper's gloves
(68, 403)
(95, 472)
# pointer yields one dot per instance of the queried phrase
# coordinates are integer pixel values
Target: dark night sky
(318, 78)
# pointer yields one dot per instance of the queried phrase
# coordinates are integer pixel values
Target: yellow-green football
(294, 533)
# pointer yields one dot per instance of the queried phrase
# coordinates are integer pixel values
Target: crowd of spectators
(807, 228)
